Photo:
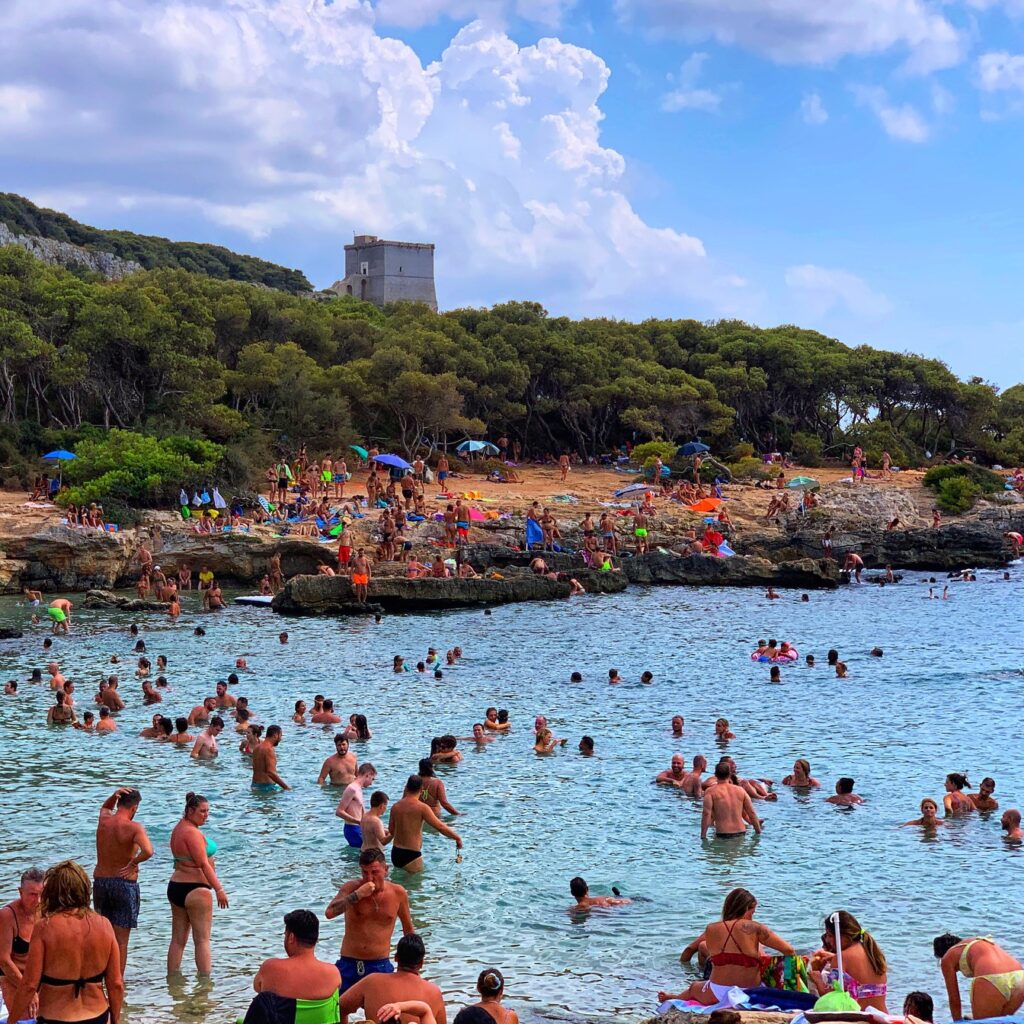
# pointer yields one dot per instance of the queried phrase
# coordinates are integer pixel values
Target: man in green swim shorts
(60, 612)
(640, 531)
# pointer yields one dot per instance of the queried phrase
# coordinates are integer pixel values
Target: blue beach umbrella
(692, 448)
(476, 446)
(59, 455)
(392, 460)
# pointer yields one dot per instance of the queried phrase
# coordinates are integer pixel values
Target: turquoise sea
(945, 697)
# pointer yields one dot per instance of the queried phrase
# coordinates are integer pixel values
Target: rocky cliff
(64, 254)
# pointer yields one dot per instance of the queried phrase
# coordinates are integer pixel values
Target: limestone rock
(106, 599)
(65, 254)
(739, 571)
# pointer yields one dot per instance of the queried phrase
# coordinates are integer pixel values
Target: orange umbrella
(706, 505)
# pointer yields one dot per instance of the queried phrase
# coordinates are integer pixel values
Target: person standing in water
(728, 807)
(264, 763)
(405, 823)
(350, 806)
(121, 846)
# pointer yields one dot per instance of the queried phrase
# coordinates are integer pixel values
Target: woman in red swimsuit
(733, 946)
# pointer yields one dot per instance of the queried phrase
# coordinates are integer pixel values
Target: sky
(852, 166)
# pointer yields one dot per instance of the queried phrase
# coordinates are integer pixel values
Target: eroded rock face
(738, 571)
(65, 254)
(106, 599)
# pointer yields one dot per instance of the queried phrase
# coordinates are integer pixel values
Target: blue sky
(853, 167)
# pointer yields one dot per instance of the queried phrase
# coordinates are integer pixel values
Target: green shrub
(807, 449)
(984, 480)
(957, 494)
(645, 454)
(137, 469)
(751, 469)
(743, 450)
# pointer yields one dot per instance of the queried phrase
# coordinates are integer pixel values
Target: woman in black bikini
(78, 946)
(189, 890)
(491, 986)
(16, 922)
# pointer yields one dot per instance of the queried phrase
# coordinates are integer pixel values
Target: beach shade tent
(705, 505)
(360, 451)
(632, 489)
(534, 534)
(692, 448)
(394, 461)
(804, 483)
(59, 455)
(476, 446)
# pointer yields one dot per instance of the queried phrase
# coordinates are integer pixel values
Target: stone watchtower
(380, 271)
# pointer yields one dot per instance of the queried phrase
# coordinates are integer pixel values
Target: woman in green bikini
(189, 890)
(997, 986)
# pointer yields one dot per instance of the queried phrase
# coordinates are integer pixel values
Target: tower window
(364, 268)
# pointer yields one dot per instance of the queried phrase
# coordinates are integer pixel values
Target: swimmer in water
(586, 746)
(809, 661)
(722, 731)
(299, 718)
(728, 807)
(771, 594)
(801, 777)
(1010, 824)
(692, 783)
(929, 815)
(844, 795)
(674, 775)
(775, 676)
(982, 800)
(546, 743)
(492, 722)
(584, 901)
(956, 801)
(841, 670)
(677, 725)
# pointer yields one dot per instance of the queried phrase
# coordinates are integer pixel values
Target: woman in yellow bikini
(997, 986)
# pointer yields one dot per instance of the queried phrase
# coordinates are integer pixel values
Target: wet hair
(502, 715)
(576, 677)
(762, 643)
(877, 652)
(161, 680)
(165, 724)
(272, 731)
(59, 696)
(578, 887)
(410, 951)
(362, 727)
(809, 659)
(132, 798)
(489, 710)
(140, 646)
(587, 742)
(181, 724)
(851, 931)
(646, 677)
(776, 672)
(297, 703)
(364, 769)
(845, 785)
(421, 666)
(737, 903)
(242, 715)
(959, 780)
(491, 982)
(328, 705)
(438, 674)
(144, 663)
(66, 886)
(773, 643)
(217, 720)
(920, 1005)
(703, 761)
(199, 631)
(473, 1014)
(414, 784)
(426, 766)
(804, 764)
(104, 712)
(133, 629)
(833, 656)
(370, 856)
(379, 798)
(303, 926)
(942, 944)
(232, 679)
(193, 800)
(723, 771)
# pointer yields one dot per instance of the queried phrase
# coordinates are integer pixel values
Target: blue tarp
(534, 534)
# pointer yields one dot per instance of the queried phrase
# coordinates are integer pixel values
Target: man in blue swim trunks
(350, 806)
(371, 906)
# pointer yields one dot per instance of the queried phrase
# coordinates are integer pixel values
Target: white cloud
(900, 121)
(812, 109)
(1000, 72)
(687, 95)
(808, 31)
(298, 122)
(19, 104)
(822, 290)
(416, 13)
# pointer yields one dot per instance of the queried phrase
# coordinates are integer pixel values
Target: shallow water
(898, 725)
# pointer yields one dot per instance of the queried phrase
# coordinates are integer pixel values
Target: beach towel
(534, 534)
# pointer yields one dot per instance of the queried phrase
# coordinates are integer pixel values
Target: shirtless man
(844, 795)
(57, 679)
(855, 564)
(108, 697)
(677, 725)
(1010, 824)
(264, 762)
(224, 700)
(344, 549)
(205, 746)
(377, 993)
(200, 714)
(326, 715)
(106, 723)
(145, 559)
(692, 784)
(361, 576)
(371, 906)
(121, 846)
(340, 474)
(299, 974)
(375, 832)
(584, 901)
(340, 766)
(350, 806)
(406, 822)
(60, 612)
(442, 471)
(640, 532)
(674, 775)
(727, 807)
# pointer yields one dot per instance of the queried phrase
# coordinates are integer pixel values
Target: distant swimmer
(801, 776)
(983, 800)
(929, 815)
(728, 807)
(956, 801)
(844, 795)
(675, 774)
(722, 731)
(678, 723)
(584, 901)
(1010, 824)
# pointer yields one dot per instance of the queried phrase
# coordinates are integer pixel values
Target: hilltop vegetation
(168, 353)
(24, 217)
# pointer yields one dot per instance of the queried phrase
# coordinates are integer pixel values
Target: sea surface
(946, 696)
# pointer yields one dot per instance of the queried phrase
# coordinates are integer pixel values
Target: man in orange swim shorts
(360, 575)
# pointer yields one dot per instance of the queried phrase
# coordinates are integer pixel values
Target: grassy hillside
(152, 252)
